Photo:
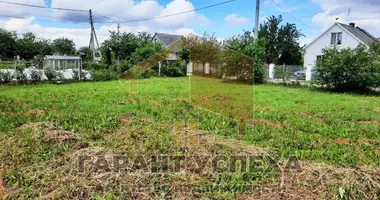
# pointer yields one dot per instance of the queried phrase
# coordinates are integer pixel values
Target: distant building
(172, 42)
(340, 35)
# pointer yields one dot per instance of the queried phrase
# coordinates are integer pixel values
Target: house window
(336, 38)
(319, 58)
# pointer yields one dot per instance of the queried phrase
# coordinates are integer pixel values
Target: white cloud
(305, 41)
(177, 6)
(81, 36)
(120, 10)
(365, 13)
(234, 19)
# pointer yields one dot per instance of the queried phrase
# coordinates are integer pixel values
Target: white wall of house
(172, 56)
(315, 48)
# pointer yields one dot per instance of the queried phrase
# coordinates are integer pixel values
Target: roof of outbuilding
(361, 34)
(167, 39)
(57, 57)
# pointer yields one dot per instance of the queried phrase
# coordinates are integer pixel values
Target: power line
(173, 14)
(293, 16)
(38, 6)
(113, 21)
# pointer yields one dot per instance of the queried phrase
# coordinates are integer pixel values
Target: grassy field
(45, 127)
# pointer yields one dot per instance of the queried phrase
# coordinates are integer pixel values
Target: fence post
(189, 68)
(271, 70)
(159, 68)
(283, 72)
(308, 72)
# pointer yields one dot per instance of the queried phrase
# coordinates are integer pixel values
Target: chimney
(352, 24)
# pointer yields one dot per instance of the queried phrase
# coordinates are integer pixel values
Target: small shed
(57, 62)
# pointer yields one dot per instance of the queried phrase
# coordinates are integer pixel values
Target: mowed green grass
(321, 126)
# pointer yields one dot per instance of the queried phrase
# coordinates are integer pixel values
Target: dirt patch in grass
(50, 131)
(35, 112)
(217, 97)
(369, 141)
(200, 142)
(182, 99)
(372, 122)
(342, 141)
(322, 181)
(304, 103)
(1, 183)
(266, 122)
(357, 182)
(377, 110)
(128, 101)
(264, 108)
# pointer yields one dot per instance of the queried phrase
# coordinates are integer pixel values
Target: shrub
(259, 72)
(122, 66)
(279, 72)
(35, 76)
(5, 76)
(84, 75)
(148, 74)
(94, 65)
(349, 69)
(176, 69)
(244, 59)
(21, 77)
(104, 75)
(60, 76)
(75, 74)
(50, 74)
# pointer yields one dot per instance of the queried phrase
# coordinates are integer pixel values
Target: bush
(279, 73)
(104, 75)
(94, 65)
(176, 69)
(5, 77)
(75, 74)
(60, 76)
(84, 75)
(259, 72)
(349, 69)
(122, 67)
(21, 77)
(50, 74)
(149, 74)
(35, 76)
(245, 60)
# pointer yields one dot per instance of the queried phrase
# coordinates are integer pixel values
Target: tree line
(28, 45)
(121, 51)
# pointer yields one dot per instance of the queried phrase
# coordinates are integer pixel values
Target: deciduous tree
(63, 46)
(7, 44)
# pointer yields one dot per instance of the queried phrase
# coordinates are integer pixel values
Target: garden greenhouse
(56, 62)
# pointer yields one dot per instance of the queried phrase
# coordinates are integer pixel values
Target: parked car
(300, 75)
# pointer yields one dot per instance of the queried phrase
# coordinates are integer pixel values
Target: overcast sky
(225, 20)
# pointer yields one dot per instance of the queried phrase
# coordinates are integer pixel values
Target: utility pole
(93, 41)
(118, 40)
(257, 19)
(118, 31)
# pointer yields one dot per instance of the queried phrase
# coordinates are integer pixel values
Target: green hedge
(104, 75)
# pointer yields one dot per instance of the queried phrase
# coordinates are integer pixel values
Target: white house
(172, 42)
(341, 35)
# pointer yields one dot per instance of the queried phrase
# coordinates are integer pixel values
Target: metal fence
(289, 72)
